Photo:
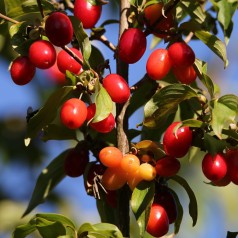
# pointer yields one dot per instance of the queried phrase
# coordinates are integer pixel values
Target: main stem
(122, 127)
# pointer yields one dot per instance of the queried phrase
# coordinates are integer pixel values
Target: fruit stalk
(40, 8)
(122, 126)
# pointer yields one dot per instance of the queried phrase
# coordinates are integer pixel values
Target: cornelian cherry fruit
(59, 29)
(110, 156)
(130, 163)
(185, 75)
(147, 171)
(104, 126)
(177, 143)
(117, 88)
(42, 54)
(22, 70)
(232, 165)
(158, 64)
(73, 113)
(132, 45)
(67, 62)
(87, 13)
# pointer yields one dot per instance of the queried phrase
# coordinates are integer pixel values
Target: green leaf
(23, 231)
(194, 9)
(165, 102)
(47, 113)
(214, 43)
(100, 230)
(141, 200)
(96, 59)
(193, 209)
(201, 70)
(224, 112)
(83, 40)
(193, 123)
(231, 234)
(213, 145)
(225, 11)
(19, 9)
(48, 179)
(104, 104)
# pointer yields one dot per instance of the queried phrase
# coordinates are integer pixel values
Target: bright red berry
(214, 167)
(104, 126)
(167, 166)
(73, 113)
(181, 54)
(132, 45)
(59, 29)
(67, 62)
(177, 143)
(87, 13)
(185, 75)
(158, 223)
(117, 88)
(158, 64)
(22, 70)
(42, 54)
(232, 165)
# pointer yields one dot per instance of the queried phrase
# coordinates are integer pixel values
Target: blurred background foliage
(20, 165)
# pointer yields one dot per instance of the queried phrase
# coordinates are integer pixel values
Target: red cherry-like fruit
(132, 45)
(181, 54)
(76, 162)
(158, 223)
(22, 70)
(214, 167)
(158, 64)
(104, 126)
(87, 13)
(55, 75)
(67, 62)
(232, 165)
(185, 75)
(167, 166)
(154, 13)
(59, 29)
(177, 145)
(73, 113)
(117, 88)
(42, 54)
(166, 199)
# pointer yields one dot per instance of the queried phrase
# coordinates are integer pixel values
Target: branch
(40, 8)
(104, 40)
(8, 19)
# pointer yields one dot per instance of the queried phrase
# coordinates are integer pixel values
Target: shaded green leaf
(165, 102)
(214, 43)
(100, 230)
(23, 231)
(224, 111)
(47, 113)
(231, 234)
(83, 40)
(193, 209)
(193, 123)
(104, 104)
(141, 200)
(47, 180)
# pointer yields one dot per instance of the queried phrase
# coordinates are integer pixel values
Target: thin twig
(8, 19)
(104, 40)
(40, 8)
(189, 37)
(71, 53)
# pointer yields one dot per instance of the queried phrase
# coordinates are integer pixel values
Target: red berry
(166, 199)
(22, 70)
(185, 75)
(158, 64)
(55, 75)
(132, 45)
(214, 167)
(158, 223)
(73, 113)
(153, 13)
(181, 54)
(42, 54)
(117, 88)
(104, 126)
(87, 13)
(76, 162)
(59, 29)
(167, 166)
(67, 62)
(232, 165)
(177, 145)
